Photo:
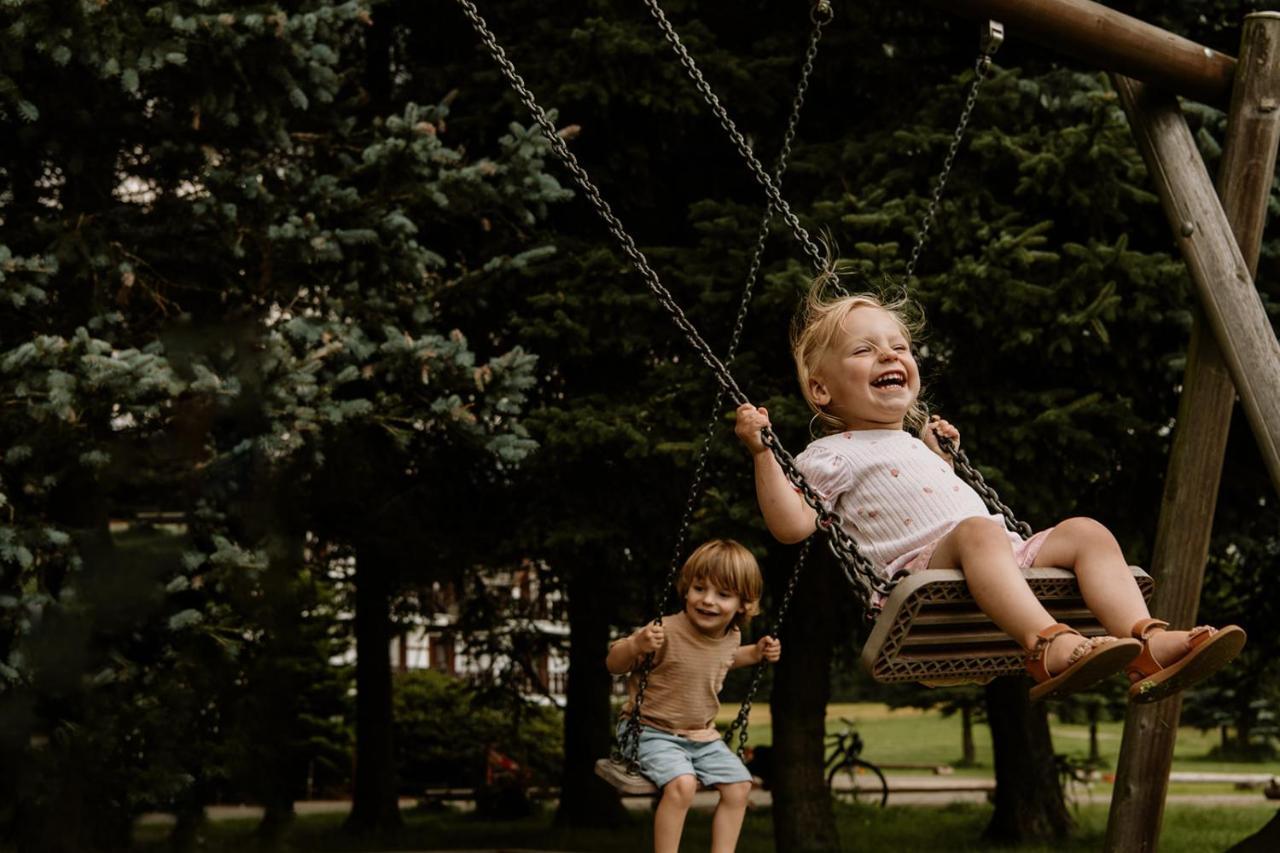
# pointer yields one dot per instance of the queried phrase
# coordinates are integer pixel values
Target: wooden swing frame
(1233, 347)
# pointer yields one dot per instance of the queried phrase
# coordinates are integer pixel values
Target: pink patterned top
(894, 495)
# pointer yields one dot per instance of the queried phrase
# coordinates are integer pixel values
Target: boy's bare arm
(767, 648)
(627, 652)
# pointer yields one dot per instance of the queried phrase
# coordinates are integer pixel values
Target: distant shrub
(444, 730)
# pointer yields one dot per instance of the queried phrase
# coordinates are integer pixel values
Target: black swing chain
(739, 723)
(868, 581)
(990, 43)
(974, 479)
(822, 14)
(628, 748)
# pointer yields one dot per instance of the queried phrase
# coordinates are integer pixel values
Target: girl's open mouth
(892, 379)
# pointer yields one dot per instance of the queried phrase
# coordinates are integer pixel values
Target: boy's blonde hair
(729, 566)
(819, 324)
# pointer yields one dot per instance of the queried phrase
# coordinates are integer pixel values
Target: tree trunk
(1244, 731)
(188, 830)
(802, 815)
(374, 805)
(277, 817)
(968, 752)
(1029, 802)
(586, 800)
(1095, 754)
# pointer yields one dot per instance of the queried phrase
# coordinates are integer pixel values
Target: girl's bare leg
(1088, 548)
(668, 818)
(980, 548)
(726, 823)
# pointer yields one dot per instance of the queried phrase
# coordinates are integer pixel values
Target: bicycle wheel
(855, 792)
(883, 782)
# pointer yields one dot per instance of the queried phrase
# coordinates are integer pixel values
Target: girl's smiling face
(868, 378)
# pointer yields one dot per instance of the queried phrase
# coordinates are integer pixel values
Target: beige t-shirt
(681, 696)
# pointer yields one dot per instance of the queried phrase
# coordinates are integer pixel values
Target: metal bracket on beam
(992, 38)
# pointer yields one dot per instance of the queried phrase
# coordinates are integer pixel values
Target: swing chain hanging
(975, 480)
(739, 723)
(992, 38)
(840, 541)
(628, 748)
(780, 167)
(820, 19)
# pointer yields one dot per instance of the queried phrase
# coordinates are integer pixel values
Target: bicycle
(844, 756)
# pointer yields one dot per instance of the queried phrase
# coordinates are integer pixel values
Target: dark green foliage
(284, 270)
(444, 730)
(221, 272)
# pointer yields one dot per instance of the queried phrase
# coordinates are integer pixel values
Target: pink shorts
(1025, 552)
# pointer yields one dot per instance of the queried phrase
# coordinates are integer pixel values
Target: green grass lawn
(912, 736)
(952, 829)
(891, 736)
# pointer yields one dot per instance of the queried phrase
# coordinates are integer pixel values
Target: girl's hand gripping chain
(750, 422)
(940, 427)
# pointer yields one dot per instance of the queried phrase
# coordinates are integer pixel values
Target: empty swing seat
(931, 631)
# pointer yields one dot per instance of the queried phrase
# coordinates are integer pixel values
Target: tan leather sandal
(1089, 663)
(1211, 650)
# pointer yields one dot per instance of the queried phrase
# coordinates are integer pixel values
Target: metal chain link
(868, 580)
(970, 475)
(981, 66)
(630, 748)
(780, 168)
(739, 723)
(821, 15)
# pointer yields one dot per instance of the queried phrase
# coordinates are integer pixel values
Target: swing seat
(627, 783)
(931, 631)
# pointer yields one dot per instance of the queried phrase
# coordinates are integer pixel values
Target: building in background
(524, 641)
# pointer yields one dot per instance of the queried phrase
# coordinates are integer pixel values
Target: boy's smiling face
(710, 608)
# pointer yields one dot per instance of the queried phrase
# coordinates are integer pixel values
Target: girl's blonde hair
(729, 566)
(818, 325)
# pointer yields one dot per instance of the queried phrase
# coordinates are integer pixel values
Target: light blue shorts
(665, 756)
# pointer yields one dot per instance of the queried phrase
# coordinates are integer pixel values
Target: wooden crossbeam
(1111, 41)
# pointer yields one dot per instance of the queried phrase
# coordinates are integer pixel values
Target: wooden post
(1200, 440)
(1106, 39)
(1218, 270)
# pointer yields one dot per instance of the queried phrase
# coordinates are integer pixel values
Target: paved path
(904, 790)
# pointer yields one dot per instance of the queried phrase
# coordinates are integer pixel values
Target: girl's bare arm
(786, 514)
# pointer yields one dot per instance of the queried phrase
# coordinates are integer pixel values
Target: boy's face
(710, 608)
